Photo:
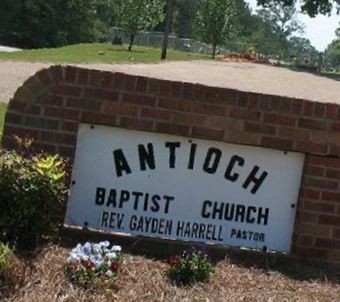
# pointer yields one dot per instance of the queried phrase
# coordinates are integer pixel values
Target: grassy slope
(97, 53)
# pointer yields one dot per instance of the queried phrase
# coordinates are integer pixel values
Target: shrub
(191, 267)
(11, 270)
(91, 262)
(31, 192)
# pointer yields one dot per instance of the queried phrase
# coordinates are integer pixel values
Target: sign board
(166, 186)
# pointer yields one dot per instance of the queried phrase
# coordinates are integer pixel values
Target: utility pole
(168, 21)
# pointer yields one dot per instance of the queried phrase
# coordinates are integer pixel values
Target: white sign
(165, 186)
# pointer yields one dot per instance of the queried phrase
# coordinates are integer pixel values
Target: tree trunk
(168, 22)
(214, 50)
(132, 39)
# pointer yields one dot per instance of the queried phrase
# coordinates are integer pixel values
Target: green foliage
(134, 16)
(5, 257)
(40, 23)
(216, 22)
(332, 55)
(191, 267)
(2, 117)
(32, 192)
(311, 7)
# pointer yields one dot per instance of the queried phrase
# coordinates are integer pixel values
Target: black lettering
(133, 222)
(211, 167)
(112, 198)
(229, 211)
(167, 203)
(105, 218)
(249, 212)
(233, 233)
(146, 201)
(137, 195)
(240, 211)
(256, 180)
(146, 157)
(192, 156)
(233, 161)
(124, 196)
(155, 203)
(263, 216)
(121, 163)
(100, 196)
(180, 228)
(172, 151)
(204, 212)
(218, 209)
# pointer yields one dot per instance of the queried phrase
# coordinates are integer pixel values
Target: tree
(311, 7)
(332, 52)
(134, 16)
(216, 22)
(283, 21)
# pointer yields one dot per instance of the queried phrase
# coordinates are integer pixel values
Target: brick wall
(51, 104)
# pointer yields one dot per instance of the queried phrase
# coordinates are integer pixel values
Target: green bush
(191, 267)
(32, 191)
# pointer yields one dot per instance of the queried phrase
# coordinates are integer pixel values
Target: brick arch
(50, 105)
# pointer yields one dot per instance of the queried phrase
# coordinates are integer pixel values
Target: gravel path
(242, 76)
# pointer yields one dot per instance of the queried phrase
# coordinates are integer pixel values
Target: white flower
(73, 258)
(116, 248)
(112, 255)
(105, 243)
(109, 273)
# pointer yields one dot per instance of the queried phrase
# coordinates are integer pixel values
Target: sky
(319, 30)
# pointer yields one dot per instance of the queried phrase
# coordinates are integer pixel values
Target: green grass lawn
(98, 53)
(2, 115)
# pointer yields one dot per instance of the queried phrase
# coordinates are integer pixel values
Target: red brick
(297, 106)
(71, 74)
(84, 104)
(34, 86)
(98, 118)
(133, 123)
(41, 123)
(295, 133)
(327, 243)
(305, 240)
(320, 183)
(277, 143)
(323, 161)
(44, 77)
(229, 97)
(329, 220)
(107, 80)
(156, 114)
(130, 83)
(314, 171)
(278, 119)
(56, 72)
(331, 196)
(188, 90)
(69, 126)
(21, 132)
(308, 108)
(140, 99)
(308, 252)
(67, 90)
(83, 76)
(199, 92)
(179, 105)
(309, 217)
(142, 83)
(312, 124)
(153, 86)
(13, 118)
(118, 108)
(51, 100)
(310, 147)
(334, 174)
(176, 89)
(95, 78)
(259, 128)
(58, 138)
(245, 114)
(310, 194)
(336, 233)
(319, 207)
(335, 127)
(319, 110)
(101, 94)
(331, 110)
(208, 109)
(67, 152)
(119, 80)
(189, 118)
(207, 133)
(173, 128)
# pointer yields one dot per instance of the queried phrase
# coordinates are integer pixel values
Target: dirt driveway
(242, 76)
